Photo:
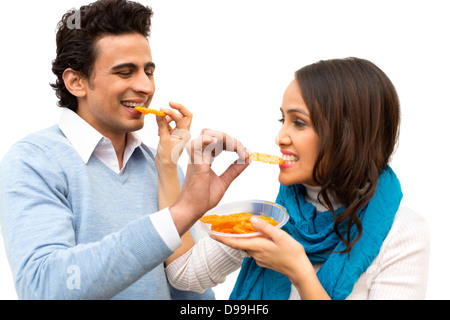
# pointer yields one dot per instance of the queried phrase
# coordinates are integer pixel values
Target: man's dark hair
(79, 30)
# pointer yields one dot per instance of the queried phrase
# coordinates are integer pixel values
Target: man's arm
(203, 188)
(38, 226)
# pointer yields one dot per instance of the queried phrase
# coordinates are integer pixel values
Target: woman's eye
(299, 123)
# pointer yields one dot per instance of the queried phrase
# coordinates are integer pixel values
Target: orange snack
(263, 157)
(234, 223)
(145, 110)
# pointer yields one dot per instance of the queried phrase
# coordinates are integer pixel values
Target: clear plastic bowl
(256, 207)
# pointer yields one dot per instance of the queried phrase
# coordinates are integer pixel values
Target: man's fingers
(226, 142)
(196, 149)
(233, 171)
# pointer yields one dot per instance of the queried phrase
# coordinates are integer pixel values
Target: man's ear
(74, 82)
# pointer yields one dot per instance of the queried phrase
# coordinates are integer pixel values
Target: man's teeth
(289, 158)
(131, 104)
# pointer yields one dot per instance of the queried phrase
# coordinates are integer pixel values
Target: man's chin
(133, 125)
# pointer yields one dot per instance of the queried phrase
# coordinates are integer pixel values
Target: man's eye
(124, 73)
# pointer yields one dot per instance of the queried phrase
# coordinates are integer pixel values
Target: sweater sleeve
(401, 270)
(39, 234)
(205, 265)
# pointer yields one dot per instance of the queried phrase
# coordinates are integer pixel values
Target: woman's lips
(289, 159)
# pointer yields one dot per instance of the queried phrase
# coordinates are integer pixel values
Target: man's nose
(144, 84)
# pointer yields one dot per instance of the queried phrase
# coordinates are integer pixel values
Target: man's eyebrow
(133, 66)
(294, 110)
(150, 65)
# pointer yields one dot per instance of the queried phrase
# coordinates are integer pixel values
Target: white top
(400, 271)
(87, 141)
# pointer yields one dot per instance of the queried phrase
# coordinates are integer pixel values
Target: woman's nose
(282, 138)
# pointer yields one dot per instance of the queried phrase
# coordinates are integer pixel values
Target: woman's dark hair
(79, 30)
(355, 111)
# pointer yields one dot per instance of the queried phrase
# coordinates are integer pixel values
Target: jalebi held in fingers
(264, 157)
(145, 110)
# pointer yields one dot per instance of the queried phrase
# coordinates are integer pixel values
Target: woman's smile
(289, 159)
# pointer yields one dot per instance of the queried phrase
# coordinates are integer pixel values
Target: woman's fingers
(182, 118)
(264, 227)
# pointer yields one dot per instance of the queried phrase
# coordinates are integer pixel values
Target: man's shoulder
(51, 134)
(47, 141)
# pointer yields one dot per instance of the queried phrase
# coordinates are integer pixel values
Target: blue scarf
(339, 272)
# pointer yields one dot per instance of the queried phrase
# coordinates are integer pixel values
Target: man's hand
(203, 189)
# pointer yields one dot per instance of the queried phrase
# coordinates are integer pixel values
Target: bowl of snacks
(233, 219)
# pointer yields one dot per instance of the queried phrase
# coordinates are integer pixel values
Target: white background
(230, 61)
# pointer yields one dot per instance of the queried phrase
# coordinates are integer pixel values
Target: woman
(346, 238)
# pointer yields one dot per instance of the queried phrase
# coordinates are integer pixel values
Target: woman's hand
(275, 250)
(278, 251)
(171, 144)
(172, 140)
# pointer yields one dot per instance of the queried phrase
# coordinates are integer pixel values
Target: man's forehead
(118, 49)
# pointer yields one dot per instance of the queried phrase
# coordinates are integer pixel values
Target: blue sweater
(80, 231)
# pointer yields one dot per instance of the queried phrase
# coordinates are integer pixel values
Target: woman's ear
(74, 83)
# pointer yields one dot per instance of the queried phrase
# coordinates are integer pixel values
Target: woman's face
(297, 139)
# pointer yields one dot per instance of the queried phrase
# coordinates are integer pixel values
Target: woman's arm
(171, 144)
(278, 251)
(401, 269)
(203, 266)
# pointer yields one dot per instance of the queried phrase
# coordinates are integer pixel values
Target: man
(87, 210)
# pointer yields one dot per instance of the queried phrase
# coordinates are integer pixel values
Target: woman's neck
(312, 196)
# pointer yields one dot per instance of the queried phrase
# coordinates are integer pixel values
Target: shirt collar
(85, 139)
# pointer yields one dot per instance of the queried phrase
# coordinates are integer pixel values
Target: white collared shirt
(87, 141)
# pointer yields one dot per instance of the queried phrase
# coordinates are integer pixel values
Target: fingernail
(254, 220)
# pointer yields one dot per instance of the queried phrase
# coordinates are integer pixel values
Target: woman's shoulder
(409, 230)
(407, 219)
(400, 270)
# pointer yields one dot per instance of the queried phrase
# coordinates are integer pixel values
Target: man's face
(122, 76)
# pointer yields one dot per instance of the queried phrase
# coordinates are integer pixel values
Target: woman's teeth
(289, 158)
(131, 104)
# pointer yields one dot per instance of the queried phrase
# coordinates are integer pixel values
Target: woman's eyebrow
(295, 110)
